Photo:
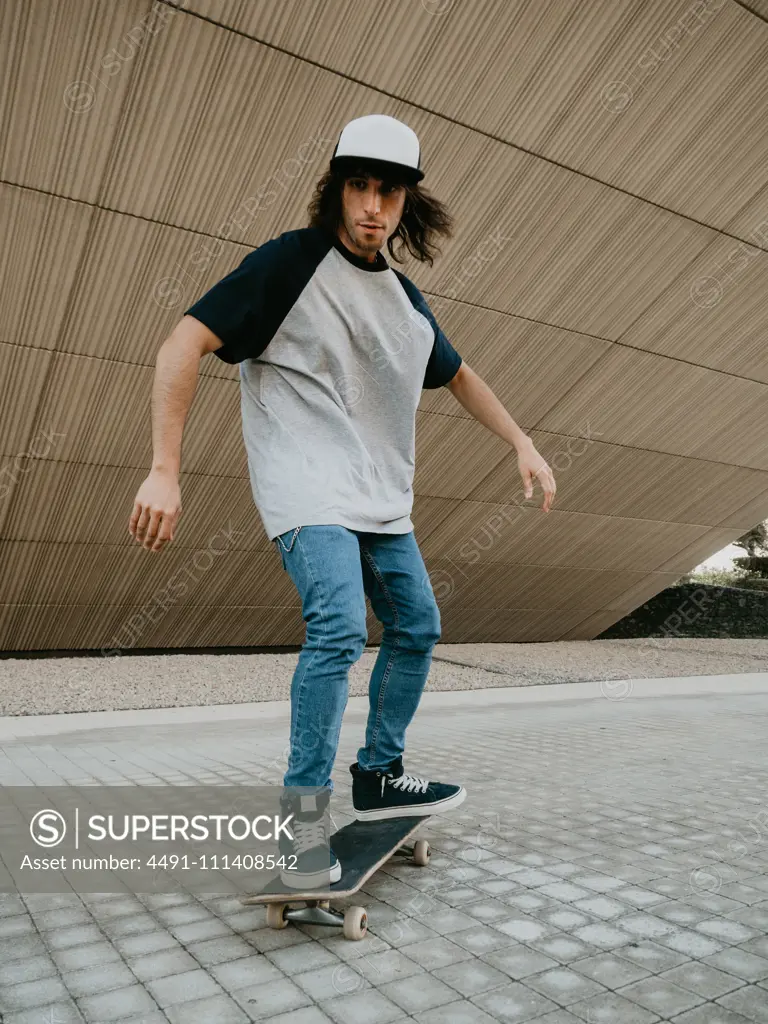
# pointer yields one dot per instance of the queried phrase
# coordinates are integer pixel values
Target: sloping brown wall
(607, 165)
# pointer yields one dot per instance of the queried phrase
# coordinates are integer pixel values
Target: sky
(722, 559)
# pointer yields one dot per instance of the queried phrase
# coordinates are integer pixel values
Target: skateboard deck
(361, 847)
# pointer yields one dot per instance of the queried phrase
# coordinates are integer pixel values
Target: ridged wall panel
(606, 167)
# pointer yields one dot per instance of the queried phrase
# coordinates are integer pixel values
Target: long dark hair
(424, 218)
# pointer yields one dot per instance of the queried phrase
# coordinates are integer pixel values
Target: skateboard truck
(354, 920)
(313, 912)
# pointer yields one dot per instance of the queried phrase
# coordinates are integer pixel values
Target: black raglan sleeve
(237, 308)
(444, 360)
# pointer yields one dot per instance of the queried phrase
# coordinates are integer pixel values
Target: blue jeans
(334, 569)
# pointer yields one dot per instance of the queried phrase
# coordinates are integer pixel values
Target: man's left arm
(473, 393)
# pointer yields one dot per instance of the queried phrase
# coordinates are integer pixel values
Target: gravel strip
(38, 686)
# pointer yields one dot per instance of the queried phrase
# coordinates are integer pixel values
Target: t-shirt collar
(378, 264)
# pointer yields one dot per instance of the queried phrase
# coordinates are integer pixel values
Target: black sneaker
(390, 793)
(310, 863)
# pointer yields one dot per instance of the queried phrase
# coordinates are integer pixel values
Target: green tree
(754, 541)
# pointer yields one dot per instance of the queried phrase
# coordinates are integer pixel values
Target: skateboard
(361, 847)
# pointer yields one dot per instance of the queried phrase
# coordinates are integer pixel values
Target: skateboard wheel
(421, 852)
(355, 923)
(276, 915)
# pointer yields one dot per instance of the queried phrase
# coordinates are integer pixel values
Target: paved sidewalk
(609, 866)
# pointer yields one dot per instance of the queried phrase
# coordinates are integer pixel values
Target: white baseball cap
(383, 142)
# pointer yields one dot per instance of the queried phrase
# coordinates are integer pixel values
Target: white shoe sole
(413, 810)
(310, 879)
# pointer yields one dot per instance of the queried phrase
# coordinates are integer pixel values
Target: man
(334, 348)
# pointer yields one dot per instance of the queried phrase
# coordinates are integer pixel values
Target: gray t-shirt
(334, 352)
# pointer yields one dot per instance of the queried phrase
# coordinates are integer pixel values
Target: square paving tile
(729, 931)
(739, 963)
(435, 953)
(141, 945)
(693, 944)
(564, 985)
(514, 1002)
(701, 979)
(181, 988)
(523, 928)
(610, 1008)
(751, 1001)
(567, 917)
(647, 953)
(122, 1002)
(603, 935)
(482, 939)
(529, 901)
(339, 979)
(369, 1006)
(498, 886)
(487, 911)
(598, 882)
(60, 1013)
(303, 957)
(600, 906)
(661, 996)
(219, 951)
(133, 924)
(563, 947)
(220, 1009)
(566, 892)
(462, 1012)
(758, 946)
(471, 977)
(16, 972)
(102, 978)
(742, 893)
(402, 932)
(306, 1015)
(163, 964)
(557, 1017)
(66, 938)
(755, 917)
(419, 992)
(389, 965)
(681, 913)
(710, 1013)
(519, 961)
(28, 994)
(348, 951)
(246, 971)
(638, 897)
(609, 970)
(78, 958)
(272, 998)
(446, 921)
(461, 895)
(199, 931)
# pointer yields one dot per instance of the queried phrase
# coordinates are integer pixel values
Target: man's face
(371, 211)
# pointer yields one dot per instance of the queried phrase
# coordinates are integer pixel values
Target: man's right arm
(157, 506)
(228, 320)
(176, 373)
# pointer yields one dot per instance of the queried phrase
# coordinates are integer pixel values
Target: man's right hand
(156, 510)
